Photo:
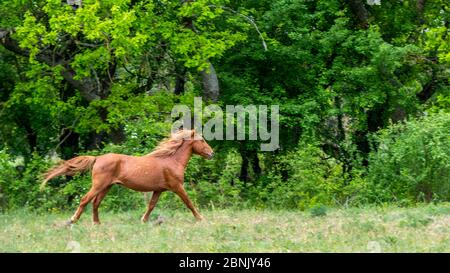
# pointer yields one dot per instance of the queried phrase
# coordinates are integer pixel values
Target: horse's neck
(183, 154)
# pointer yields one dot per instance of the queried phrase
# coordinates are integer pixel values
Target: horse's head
(200, 147)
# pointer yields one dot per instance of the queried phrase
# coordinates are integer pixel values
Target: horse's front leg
(180, 191)
(151, 205)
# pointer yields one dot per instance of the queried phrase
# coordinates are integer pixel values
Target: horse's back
(108, 163)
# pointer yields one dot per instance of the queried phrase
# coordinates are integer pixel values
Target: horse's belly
(141, 184)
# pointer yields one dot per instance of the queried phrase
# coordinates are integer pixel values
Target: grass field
(419, 229)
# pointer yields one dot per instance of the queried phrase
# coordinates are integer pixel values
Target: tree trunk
(255, 164)
(24, 121)
(249, 159)
(69, 144)
(210, 83)
(180, 79)
(243, 176)
(374, 123)
(358, 9)
(420, 6)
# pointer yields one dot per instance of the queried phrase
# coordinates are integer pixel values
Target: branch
(420, 7)
(86, 86)
(9, 43)
(67, 135)
(248, 19)
(87, 44)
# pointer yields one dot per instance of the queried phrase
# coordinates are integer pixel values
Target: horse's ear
(193, 133)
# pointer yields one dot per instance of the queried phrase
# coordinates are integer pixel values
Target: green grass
(420, 229)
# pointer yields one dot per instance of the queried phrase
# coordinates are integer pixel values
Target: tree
(86, 51)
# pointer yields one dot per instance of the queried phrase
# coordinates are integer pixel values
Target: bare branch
(63, 130)
(252, 22)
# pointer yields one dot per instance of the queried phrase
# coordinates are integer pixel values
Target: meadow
(423, 228)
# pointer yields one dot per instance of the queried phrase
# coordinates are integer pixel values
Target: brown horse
(159, 171)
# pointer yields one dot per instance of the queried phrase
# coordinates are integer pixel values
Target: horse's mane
(170, 145)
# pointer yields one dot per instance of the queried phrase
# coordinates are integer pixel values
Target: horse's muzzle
(211, 155)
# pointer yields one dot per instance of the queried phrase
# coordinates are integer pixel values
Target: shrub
(412, 161)
(318, 210)
(8, 174)
(307, 177)
(19, 183)
(411, 164)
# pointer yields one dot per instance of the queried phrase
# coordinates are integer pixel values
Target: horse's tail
(69, 167)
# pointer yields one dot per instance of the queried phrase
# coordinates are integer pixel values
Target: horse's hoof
(144, 219)
(68, 223)
(96, 223)
(200, 218)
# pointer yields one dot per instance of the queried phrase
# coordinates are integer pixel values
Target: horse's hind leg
(84, 201)
(96, 203)
(98, 185)
(151, 205)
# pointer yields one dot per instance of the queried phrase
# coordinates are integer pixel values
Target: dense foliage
(363, 89)
(412, 162)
